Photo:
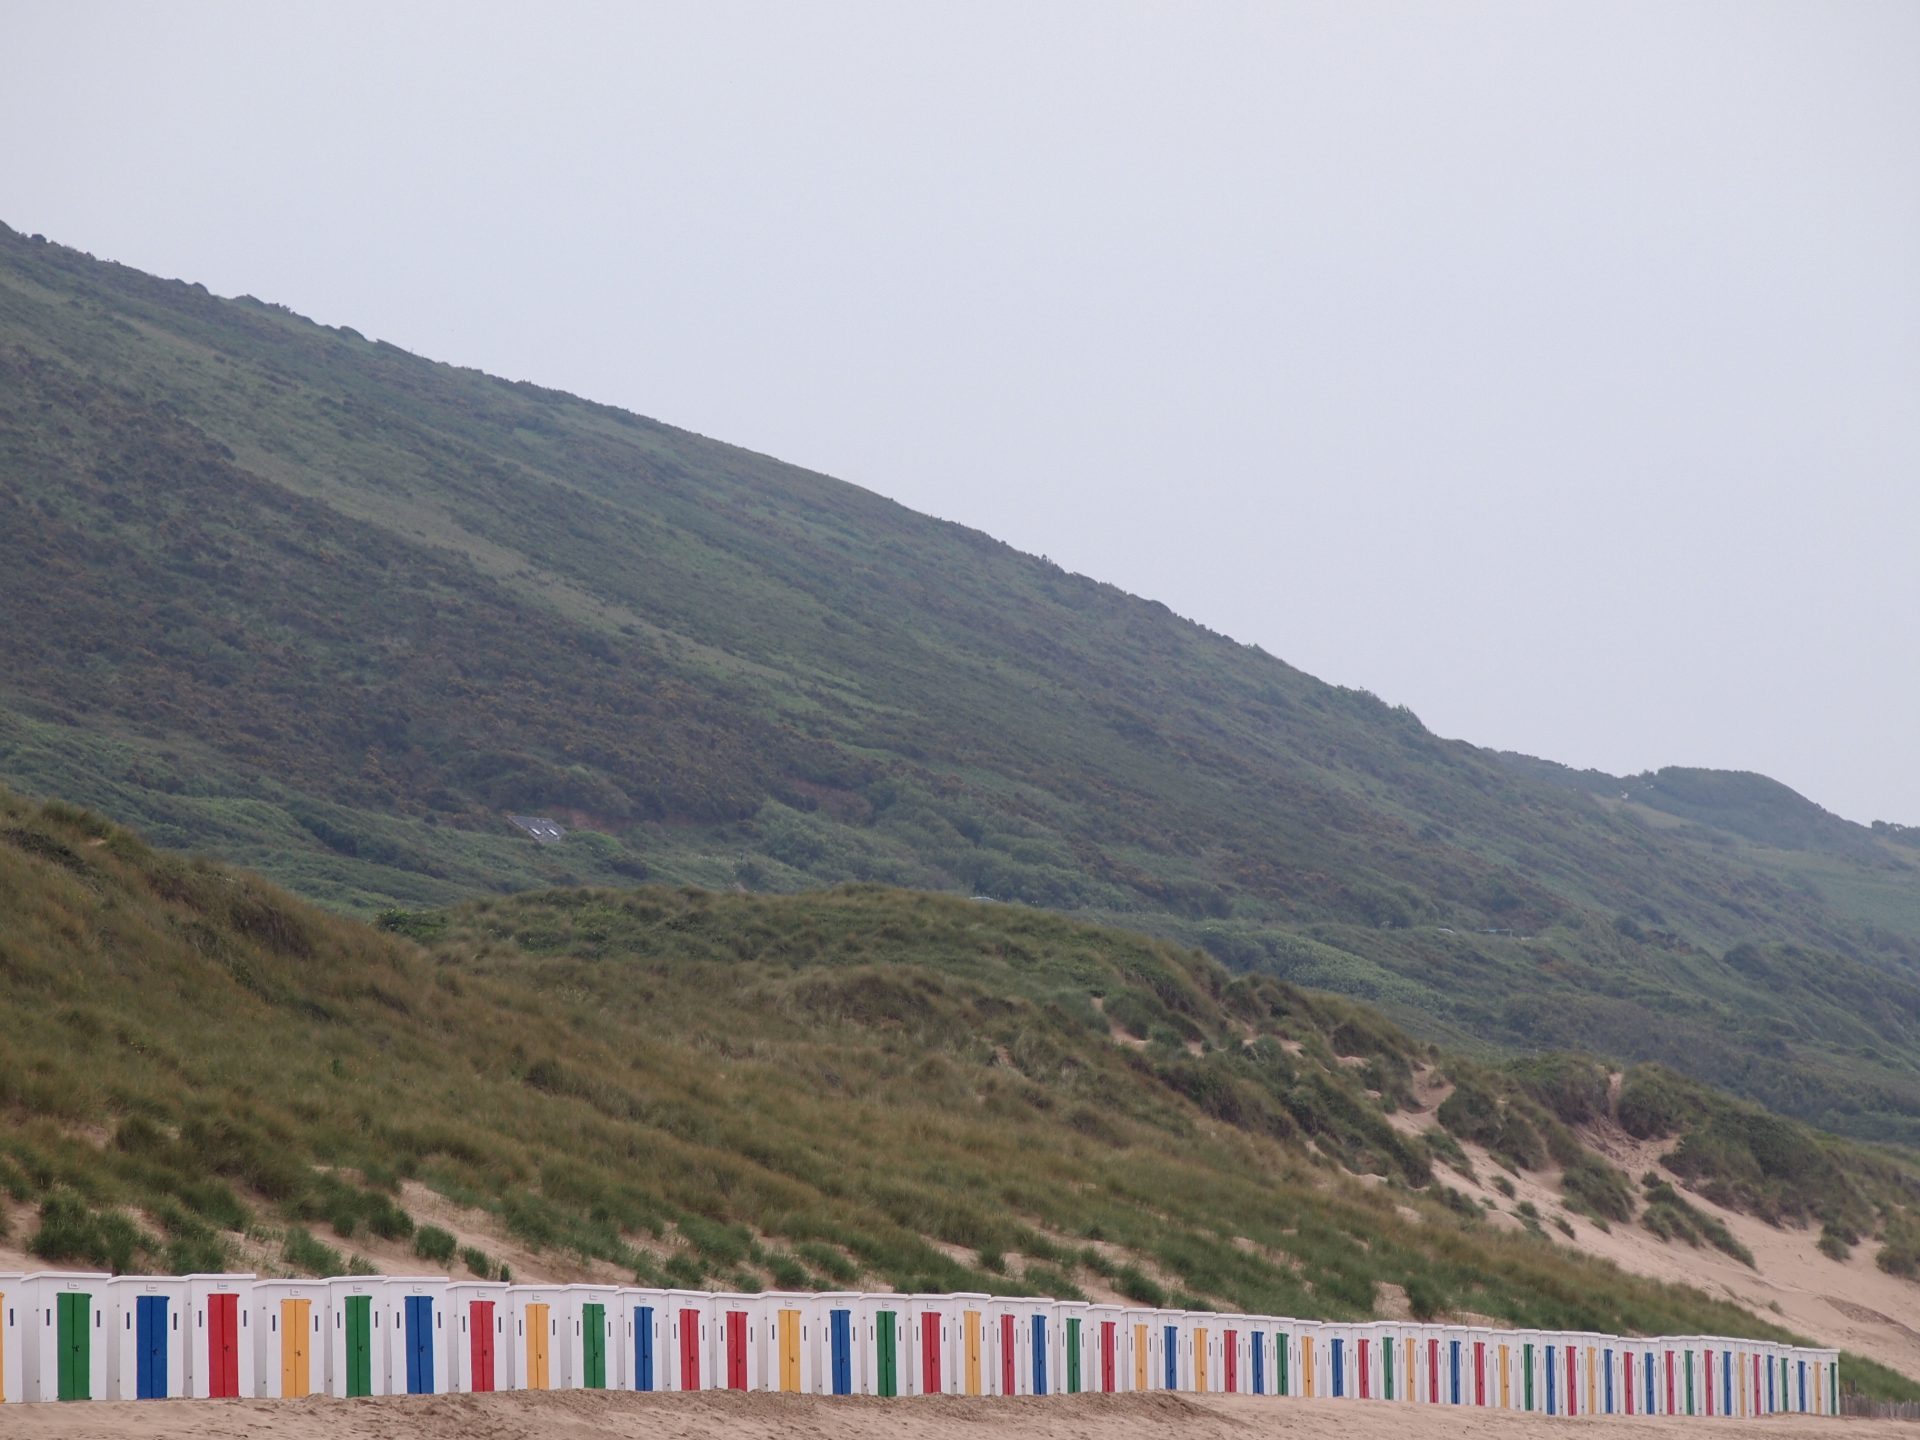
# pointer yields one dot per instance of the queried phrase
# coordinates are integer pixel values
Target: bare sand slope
(578, 1416)
(1852, 1303)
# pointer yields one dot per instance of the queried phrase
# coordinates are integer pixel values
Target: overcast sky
(1553, 369)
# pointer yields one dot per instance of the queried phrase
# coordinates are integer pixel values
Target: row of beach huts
(71, 1336)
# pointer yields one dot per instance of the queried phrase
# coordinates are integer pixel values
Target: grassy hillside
(333, 611)
(863, 1086)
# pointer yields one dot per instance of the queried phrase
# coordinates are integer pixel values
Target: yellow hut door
(296, 1366)
(1140, 1357)
(1506, 1396)
(970, 1324)
(789, 1349)
(1200, 1362)
(537, 1348)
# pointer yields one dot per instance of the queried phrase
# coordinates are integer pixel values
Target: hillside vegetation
(858, 1087)
(322, 607)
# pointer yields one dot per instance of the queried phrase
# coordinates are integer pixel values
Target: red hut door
(223, 1346)
(930, 1353)
(689, 1349)
(736, 1349)
(480, 1344)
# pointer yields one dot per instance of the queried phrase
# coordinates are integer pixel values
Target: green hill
(896, 1089)
(333, 611)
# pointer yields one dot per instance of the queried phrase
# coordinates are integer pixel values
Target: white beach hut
(1005, 1363)
(64, 1330)
(356, 1335)
(289, 1338)
(688, 1361)
(219, 1348)
(542, 1340)
(592, 1314)
(1075, 1372)
(971, 1354)
(148, 1338)
(731, 1336)
(479, 1336)
(1105, 1349)
(883, 1340)
(12, 1306)
(830, 1348)
(417, 1335)
(1140, 1333)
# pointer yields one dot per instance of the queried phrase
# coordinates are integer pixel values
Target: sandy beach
(575, 1415)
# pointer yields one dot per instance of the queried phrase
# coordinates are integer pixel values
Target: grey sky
(1551, 368)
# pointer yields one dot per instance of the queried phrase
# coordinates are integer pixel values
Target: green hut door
(73, 1334)
(593, 1345)
(887, 1347)
(359, 1345)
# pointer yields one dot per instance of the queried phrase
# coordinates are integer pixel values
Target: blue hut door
(419, 1315)
(643, 1347)
(840, 1337)
(150, 1347)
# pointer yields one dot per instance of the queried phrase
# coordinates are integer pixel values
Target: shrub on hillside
(788, 1273)
(70, 1232)
(1474, 1112)
(1900, 1248)
(1598, 1187)
(1425, 1298)
(1671, 1218)
(1749, 1160)
(388, 1220)
(1655, 1103)
(302, 1252)
(828, 1261)
(1572, 1088)
(1136, 1285)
